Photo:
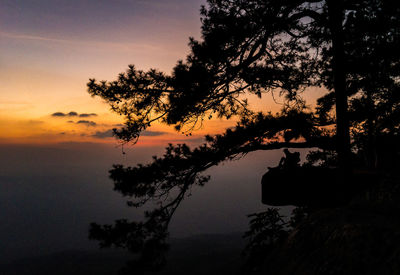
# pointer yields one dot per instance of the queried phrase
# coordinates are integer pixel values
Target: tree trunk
(336, 14)
(371, 146)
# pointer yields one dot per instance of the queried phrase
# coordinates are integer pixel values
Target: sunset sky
(55, 149)
(50, 48)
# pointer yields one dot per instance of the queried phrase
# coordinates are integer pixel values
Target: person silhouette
(290, 160)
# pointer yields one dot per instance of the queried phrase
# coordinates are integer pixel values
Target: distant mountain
(194, 255)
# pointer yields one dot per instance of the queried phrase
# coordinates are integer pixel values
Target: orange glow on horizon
(45, 67)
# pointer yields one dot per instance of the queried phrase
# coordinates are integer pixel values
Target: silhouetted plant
(299, 214)
(267, 231)
(257, 47)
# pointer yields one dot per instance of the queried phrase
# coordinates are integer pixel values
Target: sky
(50, 48)
(55, 144)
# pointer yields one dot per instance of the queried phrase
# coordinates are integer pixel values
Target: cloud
(87, 122)
(58, 114)
(152, 133)
(61, 114)
(128, 46)
(103, 134)
(87, 115)
(72, 113)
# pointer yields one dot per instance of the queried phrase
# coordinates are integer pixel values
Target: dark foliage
(257, 47)
(267, 230)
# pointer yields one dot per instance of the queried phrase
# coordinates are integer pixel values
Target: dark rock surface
(360, 238)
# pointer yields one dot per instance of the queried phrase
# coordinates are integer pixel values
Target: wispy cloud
(87, 115)
(152, 133)
(103, 134)
(128, 46)
(34, 37)
(87, 122)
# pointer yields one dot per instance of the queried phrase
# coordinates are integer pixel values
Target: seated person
(290, 161)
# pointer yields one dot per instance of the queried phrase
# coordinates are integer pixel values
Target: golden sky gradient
(49, 50)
